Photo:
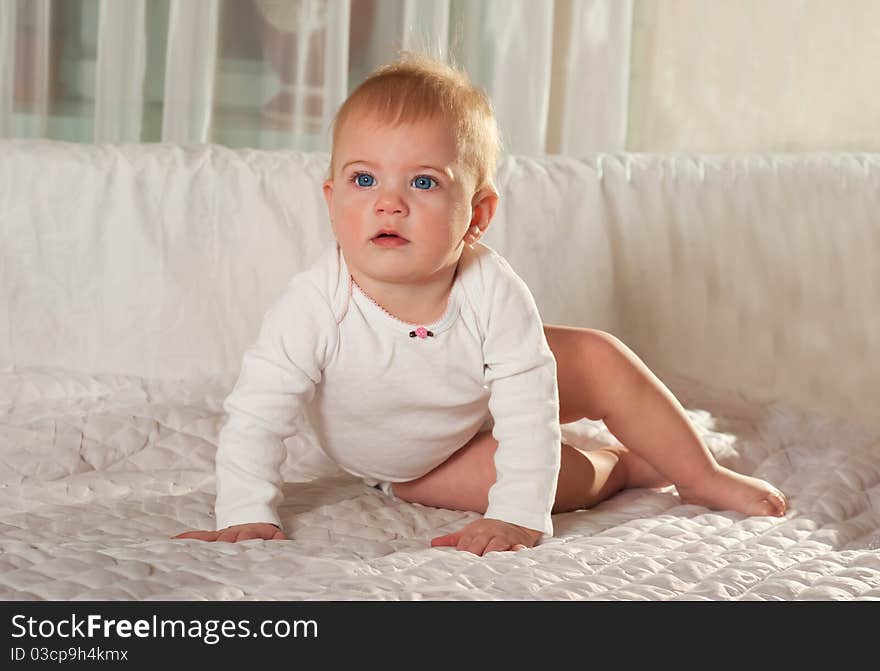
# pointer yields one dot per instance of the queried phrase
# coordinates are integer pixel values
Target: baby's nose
(390, 202)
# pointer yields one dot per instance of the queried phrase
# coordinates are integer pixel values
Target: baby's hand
(238, 532)
(488, 535)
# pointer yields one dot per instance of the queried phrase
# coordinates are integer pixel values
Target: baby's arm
(277, 380)
(520, 372)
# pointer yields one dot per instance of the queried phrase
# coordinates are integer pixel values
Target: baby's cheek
(350, 221)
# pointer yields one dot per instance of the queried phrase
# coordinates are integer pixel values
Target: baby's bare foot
(729, 490)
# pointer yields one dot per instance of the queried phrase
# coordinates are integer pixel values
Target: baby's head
(417, 88)
(412, 172)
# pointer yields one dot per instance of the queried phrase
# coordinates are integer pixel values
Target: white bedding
(131, 274)
(98, 472)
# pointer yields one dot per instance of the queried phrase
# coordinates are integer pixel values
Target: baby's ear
(483, 206)
(327, 187)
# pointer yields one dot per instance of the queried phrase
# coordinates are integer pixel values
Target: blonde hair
(417, 87)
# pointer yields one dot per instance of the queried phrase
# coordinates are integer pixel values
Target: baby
(419, 356)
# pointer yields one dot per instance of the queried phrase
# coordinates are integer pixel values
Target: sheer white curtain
(538, 60)
(590, 87)
(121, 67)
(189, 91)
(271, 73)
(7, 61)
(566, 76)
(24, 68)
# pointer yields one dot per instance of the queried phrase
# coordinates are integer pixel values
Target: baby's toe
(772, 505)
(778, 502)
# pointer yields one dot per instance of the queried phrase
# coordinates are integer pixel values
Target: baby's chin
(401, 264)
(408, 274)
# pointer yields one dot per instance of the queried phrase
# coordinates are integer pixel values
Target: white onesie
(389, 401)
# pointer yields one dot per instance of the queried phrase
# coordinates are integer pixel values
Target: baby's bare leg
(600, 378)
(463, 481)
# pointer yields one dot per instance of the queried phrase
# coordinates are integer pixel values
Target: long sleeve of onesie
(277, 380)
(520, 371)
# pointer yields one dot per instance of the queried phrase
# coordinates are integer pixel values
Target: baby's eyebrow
(447, 171)
(367, 163)
(443, 171)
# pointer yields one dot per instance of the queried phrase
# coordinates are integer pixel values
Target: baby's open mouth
(389, 240)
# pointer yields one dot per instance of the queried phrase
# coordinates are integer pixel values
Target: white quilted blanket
(98, 472)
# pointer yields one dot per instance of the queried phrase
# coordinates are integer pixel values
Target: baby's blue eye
(363, 179)
(424, 182)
